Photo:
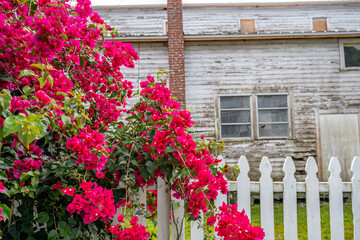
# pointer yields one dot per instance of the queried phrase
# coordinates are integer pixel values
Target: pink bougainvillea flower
(68, 191)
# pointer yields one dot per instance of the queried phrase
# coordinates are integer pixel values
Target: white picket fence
(266, 187)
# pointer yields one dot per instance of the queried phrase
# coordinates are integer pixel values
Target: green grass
(302, 221)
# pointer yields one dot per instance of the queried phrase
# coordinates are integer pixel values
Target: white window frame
(254, 117)
(343, 43)
(288, 112)
(251, 117)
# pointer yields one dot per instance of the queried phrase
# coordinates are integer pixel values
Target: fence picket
(267, 199)
(243, 187)
(197, 232)
(336, 200)
(142, 202)
(177, 218)
(221, 198)
(355, 181)
(290, 200)
(312, 200)
(163, 209)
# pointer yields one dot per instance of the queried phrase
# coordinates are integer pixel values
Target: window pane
(235, 102)
(235, 131)
(235, 116)
(352, 56)
(273, 101)
(274, 130)
(275, 115)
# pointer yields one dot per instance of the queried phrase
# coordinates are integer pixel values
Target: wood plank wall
(309, 70)
(226, 20)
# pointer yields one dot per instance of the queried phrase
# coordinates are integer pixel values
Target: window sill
(349, 69)
(240, 140)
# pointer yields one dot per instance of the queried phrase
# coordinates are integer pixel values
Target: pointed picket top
(244, 166)
(312, 200)
(243, 186)
(334, 167)
(289, 167)
(311, 167)
(336, 200)
(355, 166)
(265, 166)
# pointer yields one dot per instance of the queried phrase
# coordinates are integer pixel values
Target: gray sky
(163, 2)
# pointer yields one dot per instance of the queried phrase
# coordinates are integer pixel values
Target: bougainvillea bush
(73, 154)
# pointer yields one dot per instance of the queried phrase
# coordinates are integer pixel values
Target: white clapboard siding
(336, 200)
(163, 209)
(243, 187)
(266, 199)
(177, 218)
(290, 200)
(312, 200)
(355, 180)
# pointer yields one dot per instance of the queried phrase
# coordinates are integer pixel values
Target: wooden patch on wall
(319, 24)
(247, 26)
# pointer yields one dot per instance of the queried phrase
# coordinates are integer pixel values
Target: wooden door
(339, 136)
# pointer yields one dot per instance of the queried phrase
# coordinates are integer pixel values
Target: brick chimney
(176, 50)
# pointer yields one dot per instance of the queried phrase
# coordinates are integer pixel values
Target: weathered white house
(276, 79)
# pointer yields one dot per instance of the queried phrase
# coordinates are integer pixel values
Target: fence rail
(266, 187)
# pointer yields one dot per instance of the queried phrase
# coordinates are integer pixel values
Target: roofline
(251, 4)
(194, 38)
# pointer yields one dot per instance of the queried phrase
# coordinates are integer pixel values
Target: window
(350, 54)
(272, 113)
(235, 120)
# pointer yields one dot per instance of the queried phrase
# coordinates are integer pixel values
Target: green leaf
(3, 175)
(24, 176)
(53, 234)
(26, 137)
(41, 82)
(51, 80)
(66, 120)
(150, 167)
(43, 217)
(39, 125)
(33, 117)
(10, 126)
(6, 212)
(39, 66)
(34, 182)
(82, 61)
(92, 26)
(26, 73)
(64, 36)
(27, 90)
(169, 149)
(51, 122)
(5, 100)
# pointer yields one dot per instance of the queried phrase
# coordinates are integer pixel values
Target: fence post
(312, 200)
(355, 181)
(177, 218)
(221, 198)
(142, 203)
(290, 200)
(243, 187)
(163, 209)
(336, 200)
(267, 199)
(197, 231)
